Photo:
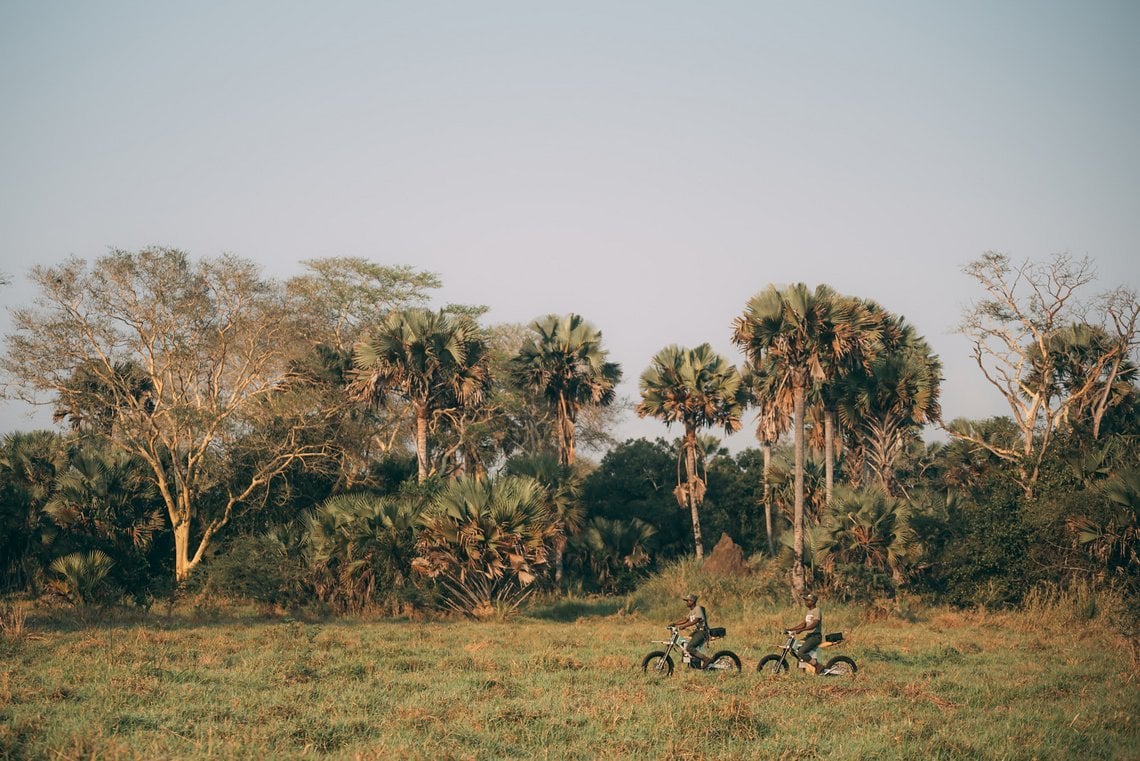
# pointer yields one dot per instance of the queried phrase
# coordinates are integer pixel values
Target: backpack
(718, 632)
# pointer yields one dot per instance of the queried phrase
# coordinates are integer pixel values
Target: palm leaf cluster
(564, 362)
(1114, 539)
(885, 405)
(81, 576)
(434, 360)
(867, 538)
(615, 549)
(485, 540)
(698, 389)
(361, 548)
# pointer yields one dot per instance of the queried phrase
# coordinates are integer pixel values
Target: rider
(699, 621)
(813, 626)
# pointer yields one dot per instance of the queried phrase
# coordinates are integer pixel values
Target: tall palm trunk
(692, 489)
(829, 453)
(559, 551)
(767, 450)
(566, 454)
(422, 442)
(798, 387)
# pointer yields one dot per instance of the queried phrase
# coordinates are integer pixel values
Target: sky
(648, 165)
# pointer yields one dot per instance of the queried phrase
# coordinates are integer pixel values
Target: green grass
(946, 685)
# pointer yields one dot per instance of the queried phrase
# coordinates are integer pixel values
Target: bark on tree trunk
(829, 453)
(767, 450)
(690, 481)
(181, 550)
(422, 444)
(559, 549)
(798, 516)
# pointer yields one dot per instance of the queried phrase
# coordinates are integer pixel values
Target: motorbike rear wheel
(658, 664)
(772, 665)
(724, 661)
(840, 665)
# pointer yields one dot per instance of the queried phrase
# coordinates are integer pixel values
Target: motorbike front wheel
(657, 664)
(772, 665)
(725, 661)
(840, 665)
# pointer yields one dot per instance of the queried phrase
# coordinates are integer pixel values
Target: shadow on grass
(572, 609)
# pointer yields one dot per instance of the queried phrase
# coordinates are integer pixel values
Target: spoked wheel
(657, 664)
(840, 665)
(725, 662)
(772, 665)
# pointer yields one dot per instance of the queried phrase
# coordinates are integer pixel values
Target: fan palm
(107, 493)
(615, 549)
(1077, 359)
(428, 359)
(886, 405)
(867, 534)
(804, 333)
(563, 484)
(81, 576)
(698, 389)
(484, 541)
(772, 397)
(564, 362)
(363, 545)
(29, 464)
(1114, 539)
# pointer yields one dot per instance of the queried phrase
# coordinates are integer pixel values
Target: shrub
(267, 568)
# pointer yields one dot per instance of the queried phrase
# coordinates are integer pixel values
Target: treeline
(330, 441)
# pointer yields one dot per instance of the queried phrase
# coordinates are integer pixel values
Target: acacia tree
(339, 297)
(699, 389)
(210, 348)
(1016, 330)
(564, 363)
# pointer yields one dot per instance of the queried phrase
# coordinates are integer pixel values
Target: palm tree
(615, 549)
(698, 389)
(1113, 538)
(1077, 360)
(803, 333)
(29, 465)
(427, 358)
(96, 395)
(772, 397)
(867, 540)
(363, 545)
(484, 541)
(564, 362)
(81, 576)
(562, 483)
(106, 494)
(886, 405)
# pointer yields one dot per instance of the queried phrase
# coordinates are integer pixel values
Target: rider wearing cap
(813, 626)
(699, 621)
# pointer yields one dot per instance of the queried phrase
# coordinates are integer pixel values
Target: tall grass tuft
(759, 590)
(13, 620)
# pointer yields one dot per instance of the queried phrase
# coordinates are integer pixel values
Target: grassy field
(563, 682)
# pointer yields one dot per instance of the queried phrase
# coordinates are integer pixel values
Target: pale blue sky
(649, 165)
